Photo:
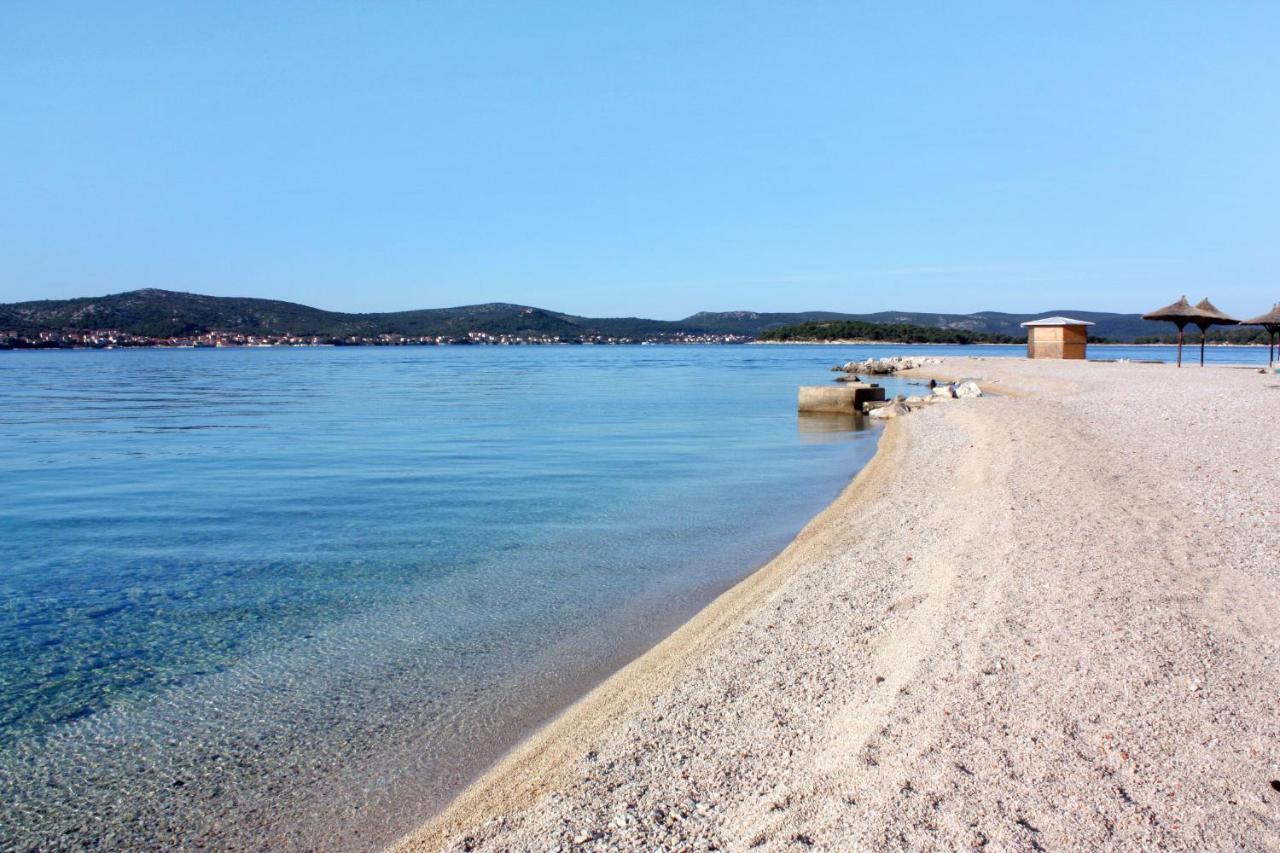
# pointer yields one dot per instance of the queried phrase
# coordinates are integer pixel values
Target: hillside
(165, 313)
(161, 313)
(860, 330)
(1118, 327)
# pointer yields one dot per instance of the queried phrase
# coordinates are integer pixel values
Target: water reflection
(829, 427)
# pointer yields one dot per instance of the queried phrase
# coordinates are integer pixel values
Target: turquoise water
(298, 594)
(297, 597)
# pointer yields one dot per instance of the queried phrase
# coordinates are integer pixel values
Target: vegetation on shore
(1241, 335)
(857, 330)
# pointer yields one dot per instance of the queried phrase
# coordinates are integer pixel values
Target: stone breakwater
(1046, 619)
(884, 366)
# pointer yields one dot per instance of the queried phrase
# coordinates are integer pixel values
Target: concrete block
(842, 399)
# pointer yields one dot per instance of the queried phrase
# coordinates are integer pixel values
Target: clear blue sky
(652, 160)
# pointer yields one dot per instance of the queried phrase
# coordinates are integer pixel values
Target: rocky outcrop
(885, 366)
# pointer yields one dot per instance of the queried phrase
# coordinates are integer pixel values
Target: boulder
(885, 366)
(968, 388)
(893, 410)
(946, 392)
(915, 400)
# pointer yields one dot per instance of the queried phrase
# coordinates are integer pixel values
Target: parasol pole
(1181, 326)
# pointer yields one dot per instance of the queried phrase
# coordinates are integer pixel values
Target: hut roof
(1057, 321)
(1180, 311)
(1212, 316)
(1271, 318)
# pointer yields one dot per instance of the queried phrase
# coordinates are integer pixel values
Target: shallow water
(297, 598)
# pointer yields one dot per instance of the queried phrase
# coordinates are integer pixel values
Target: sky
(650, 159)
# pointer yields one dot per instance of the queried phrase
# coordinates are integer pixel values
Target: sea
(297, 598)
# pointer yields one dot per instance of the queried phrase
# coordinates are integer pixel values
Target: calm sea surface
(297, 597)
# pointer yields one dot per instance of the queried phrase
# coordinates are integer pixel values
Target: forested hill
(858, 330)
(161, 313)
(1117, 327)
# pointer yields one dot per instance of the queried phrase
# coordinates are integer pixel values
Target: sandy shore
(1045, 620)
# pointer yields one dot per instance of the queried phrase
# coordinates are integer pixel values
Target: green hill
(165, 313)
(1117, 327)
(843, 330)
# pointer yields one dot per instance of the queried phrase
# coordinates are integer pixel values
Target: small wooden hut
(1057, 337)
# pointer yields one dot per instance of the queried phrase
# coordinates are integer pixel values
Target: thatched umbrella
(1211, 316)
(1179, 314)
(1271, 322)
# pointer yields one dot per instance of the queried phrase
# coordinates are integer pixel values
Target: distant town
(116, 339)
(173, 319)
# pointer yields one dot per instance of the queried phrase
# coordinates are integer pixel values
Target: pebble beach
(1045, 618)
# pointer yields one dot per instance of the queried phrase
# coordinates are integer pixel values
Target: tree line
(899, 333)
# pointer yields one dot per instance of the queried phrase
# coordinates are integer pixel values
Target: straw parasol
(1179, 314)
(1211, 316)
(1271, 322)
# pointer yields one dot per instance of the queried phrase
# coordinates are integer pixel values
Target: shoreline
(938, 659)
(543, 757)
(852, 342)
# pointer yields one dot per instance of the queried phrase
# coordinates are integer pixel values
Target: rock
(893, 410)
(946, 392)
(968, 388)
(915, 400)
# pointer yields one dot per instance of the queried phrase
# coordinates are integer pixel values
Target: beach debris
(968, 388)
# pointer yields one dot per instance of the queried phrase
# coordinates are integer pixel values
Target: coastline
(916, 664)
(1018, 345)
(545, 758)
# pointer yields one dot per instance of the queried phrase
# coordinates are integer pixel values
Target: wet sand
(1045, 619)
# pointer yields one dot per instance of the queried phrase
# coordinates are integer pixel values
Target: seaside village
(1047, 338)
(116, 339)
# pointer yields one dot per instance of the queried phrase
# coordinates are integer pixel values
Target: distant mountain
(860, 330)
(165, 313)
(1118, 327)
(753, 323)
